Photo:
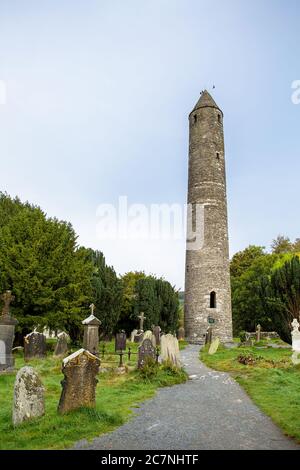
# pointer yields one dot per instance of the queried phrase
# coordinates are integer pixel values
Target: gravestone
(208, 336)
(214, 346)
(7, 334)
(79, 384)
(258, 332)
(142, 319)
(149, 335)
(34, 346)
(120, 341)
(295, 336)
(91, 333)
(157, 332)
(146, 351)
(29, 401)
(181, 334)
(169, 350)
(133, 333)
(61, 348)
(139, 336)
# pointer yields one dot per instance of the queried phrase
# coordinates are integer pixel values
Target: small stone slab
(79, 384)
(169, 351)
(29, 401)
(214, 346)
(157, 333)
(146, 351)
(7, 334)
(61, 348)
(35, 346)
(91, 334)
(139, 337)
(133, 334)
(120, 341)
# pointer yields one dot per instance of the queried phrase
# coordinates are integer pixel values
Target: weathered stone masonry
(207, 282)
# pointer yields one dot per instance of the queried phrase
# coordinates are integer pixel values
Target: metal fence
(123, 355)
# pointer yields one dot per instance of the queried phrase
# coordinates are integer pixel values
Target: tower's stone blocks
(207, 282)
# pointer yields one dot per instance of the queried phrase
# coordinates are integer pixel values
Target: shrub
(242, 336)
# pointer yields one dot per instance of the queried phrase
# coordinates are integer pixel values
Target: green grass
(273, 382)
(116, 395)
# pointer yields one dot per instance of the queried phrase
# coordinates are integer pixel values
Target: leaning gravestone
(34, 346)
(79, 384)
(91, 333)
(146, 351)
(61, 348)
(29, 401)
(120, 341)
(214, 346)
(7, 334)
(169, 350)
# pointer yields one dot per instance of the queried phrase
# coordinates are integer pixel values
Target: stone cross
(142, 318)
(93, 308)
(7, 299)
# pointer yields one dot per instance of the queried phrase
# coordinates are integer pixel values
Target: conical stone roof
(206, 101)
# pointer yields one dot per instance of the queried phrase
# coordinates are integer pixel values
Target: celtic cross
(7, 299)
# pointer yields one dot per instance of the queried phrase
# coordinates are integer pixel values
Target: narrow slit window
(218, 156)
(195, 118)
(219, 117)
(213, 300)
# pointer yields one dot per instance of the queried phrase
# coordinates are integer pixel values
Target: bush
(149, 370)
(242, 336)
(248, 359)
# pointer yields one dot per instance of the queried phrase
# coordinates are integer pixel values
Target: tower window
(219, 117)
(195, 118)
(213, 300)
(218, 156)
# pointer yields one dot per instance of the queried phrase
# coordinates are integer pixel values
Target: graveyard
(116, 396)
(149, 245)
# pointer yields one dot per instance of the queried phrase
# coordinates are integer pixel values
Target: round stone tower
(207, 281)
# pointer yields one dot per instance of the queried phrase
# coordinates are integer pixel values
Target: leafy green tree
(283, 296)
(128, 317)
(242, 260)
(296, 246)
(247, 307)
(106, 293)
(155, 297)
(281, 244)
(43, 266)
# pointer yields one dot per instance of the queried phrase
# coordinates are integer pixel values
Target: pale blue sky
(98, 94)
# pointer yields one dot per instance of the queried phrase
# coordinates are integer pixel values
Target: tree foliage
(266, 288)
(106, 293)
(54, 280)
(41, 262)
(153, 296)
(283, 296)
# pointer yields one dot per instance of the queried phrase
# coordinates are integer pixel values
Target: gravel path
(210, 411)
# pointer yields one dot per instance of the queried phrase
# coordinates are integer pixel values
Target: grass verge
(269, 378)
(116, 396)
